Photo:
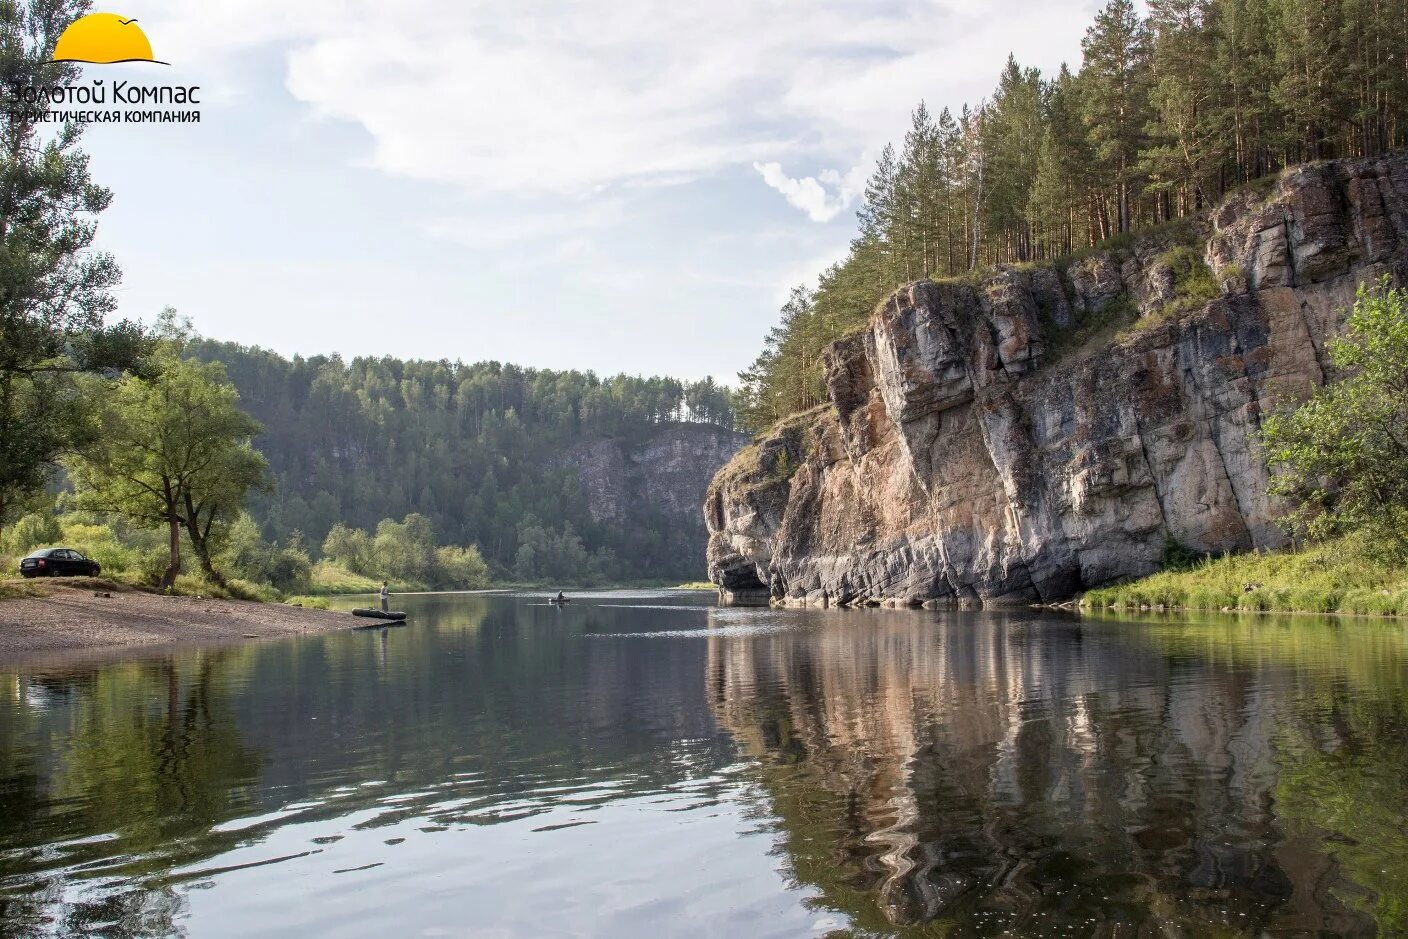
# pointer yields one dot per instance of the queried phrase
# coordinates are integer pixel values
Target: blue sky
(618, 186)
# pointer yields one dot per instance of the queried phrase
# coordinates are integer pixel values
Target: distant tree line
(1166, 115)
(476, 451)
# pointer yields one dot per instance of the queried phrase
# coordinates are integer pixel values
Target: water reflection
(1009, 773)
(505, 767)
(148, 797)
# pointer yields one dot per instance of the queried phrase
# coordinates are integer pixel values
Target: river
(642, 763)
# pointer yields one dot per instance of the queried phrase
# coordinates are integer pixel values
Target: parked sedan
(58, 562)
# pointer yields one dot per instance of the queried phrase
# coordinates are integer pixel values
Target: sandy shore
(70, 618)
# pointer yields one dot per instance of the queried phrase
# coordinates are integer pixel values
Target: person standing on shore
(385, 598)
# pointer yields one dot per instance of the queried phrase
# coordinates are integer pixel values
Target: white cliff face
(975, 452)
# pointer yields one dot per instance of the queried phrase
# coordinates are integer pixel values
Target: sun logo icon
(104, 39)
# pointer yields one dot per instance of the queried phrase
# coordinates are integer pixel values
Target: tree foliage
(1342, 456)
(473, 449)
(406, 553)
(1167, 113)
(174, 451)
(55, 290)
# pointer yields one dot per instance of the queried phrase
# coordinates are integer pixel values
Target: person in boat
(561, 597)
(385, 597)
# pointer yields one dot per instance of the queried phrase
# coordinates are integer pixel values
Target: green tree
(1013, 134)
(1309, 61)
(1114, 81)
(350, 547)
(1342, 456)
(405, 551)
(1183, 146)
(54, 288)
(460, 568)
(175, 451)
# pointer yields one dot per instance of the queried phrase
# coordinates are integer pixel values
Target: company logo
(104, 39)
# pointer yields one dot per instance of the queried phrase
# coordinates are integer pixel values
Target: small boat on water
(378, 614)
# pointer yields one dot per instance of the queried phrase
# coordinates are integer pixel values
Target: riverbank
(1339, 576)
(43, 617)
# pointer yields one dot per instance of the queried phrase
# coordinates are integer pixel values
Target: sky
(614, 185)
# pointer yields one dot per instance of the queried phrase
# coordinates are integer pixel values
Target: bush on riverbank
(1340, 576)
(405, 553)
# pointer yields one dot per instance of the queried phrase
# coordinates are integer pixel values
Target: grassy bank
(329, 577)
(1340, 576)
(186, 585)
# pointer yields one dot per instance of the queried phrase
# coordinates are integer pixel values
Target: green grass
(1180, 230)
(1096, 331)
(1340, 576)
(309, 603)
(1193, 283)
(13, 588)
(187, 585)
(330, 577)
(697, 585)
(1231, 272)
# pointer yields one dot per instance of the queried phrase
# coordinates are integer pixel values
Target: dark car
(58, 562)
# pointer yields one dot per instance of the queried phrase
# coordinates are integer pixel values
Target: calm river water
(644, 764)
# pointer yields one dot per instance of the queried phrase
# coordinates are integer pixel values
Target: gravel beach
(75, 616)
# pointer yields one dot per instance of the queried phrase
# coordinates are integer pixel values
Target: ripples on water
(640, 763)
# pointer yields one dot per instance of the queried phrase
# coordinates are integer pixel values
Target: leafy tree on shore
(406, 552)
(174, 452)
(54, 288)
(1342, 457)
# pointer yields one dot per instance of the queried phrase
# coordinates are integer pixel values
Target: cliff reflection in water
(1007, 772)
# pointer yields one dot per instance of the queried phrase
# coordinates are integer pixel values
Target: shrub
(34, 530)
(1339, 456)
(1193, 283)
(460, 568)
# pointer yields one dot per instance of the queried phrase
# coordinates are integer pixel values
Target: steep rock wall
(664, 474)
(1000, 442)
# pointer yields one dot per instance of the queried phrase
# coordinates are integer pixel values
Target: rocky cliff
(664, 475)
(1034, 432)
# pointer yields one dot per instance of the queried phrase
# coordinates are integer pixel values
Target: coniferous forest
(475, 450)
(1167, 114)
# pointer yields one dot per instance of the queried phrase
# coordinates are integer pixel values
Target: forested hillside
(476, 449)
(1165, 115)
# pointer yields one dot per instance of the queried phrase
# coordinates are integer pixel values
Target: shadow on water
(502, 765)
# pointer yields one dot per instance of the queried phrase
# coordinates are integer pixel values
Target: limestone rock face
(1045, 431)
(666, 473)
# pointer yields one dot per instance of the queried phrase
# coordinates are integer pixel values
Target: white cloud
(557, 230)
(822, 197)
(546, 98)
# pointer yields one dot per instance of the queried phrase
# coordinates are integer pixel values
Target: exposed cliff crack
(1139, 431)
(1292, 276)
(1322, 355)
(1011, 507)
(1213, 425)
